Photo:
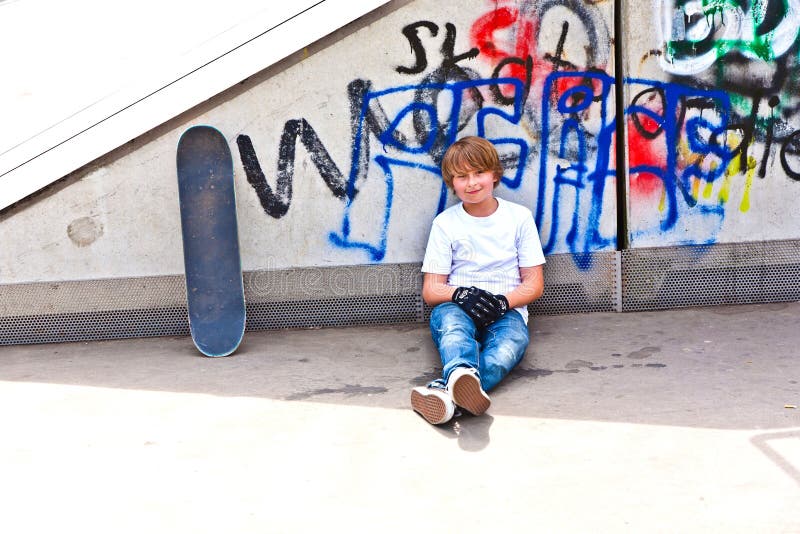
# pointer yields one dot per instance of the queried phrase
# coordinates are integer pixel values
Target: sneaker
(434, 404)
(465, 387)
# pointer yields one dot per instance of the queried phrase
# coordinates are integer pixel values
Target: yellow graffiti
(744, 206)
(734, 168)
(705, 188)
(709, 189)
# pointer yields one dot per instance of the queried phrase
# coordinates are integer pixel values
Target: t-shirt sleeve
(529, 247)
(439, 252)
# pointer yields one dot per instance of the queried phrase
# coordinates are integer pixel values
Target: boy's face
(474, 187)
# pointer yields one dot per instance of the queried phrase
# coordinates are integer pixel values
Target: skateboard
(214, 288)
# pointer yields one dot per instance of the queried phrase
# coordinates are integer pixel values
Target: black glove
(502, 305)
(483, 307)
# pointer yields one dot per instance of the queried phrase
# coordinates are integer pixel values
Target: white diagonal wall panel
(80, 78)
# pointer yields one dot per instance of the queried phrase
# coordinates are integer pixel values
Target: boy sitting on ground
(482, 267)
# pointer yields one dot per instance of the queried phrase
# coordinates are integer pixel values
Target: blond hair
(470, 154)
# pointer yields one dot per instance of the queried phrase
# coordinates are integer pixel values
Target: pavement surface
(671, 421)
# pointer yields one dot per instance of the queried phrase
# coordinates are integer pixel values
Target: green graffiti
(702, 32)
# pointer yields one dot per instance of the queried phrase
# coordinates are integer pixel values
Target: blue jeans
(493, 351)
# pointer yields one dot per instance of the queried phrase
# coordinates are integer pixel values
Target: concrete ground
(673, 421)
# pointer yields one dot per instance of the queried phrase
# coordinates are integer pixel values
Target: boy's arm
(435, 290)
(529, 290)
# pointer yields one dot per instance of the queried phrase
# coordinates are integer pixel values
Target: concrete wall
(713, 116)
(337, 149)
(337, 153)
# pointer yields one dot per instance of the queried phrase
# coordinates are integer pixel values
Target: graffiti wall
(713, 120)
(534, 77)
(337, 151)
(337, 156)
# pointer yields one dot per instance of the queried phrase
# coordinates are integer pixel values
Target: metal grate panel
(579, 284)
(50, 312)
(344, 311)
(633, 280)
(89, 326)
(710, 275)
(576, 284)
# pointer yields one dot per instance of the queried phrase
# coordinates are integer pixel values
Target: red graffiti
(645, 152)
(518, 56)
(483, 32)
(646, 146)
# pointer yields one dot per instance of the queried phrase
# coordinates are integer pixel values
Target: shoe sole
(430, 407)
(467, 394)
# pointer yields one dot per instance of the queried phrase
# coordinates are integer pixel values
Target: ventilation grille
(633, 280)
(579, 284)
(710, 275)
(296, 298)
(88, 326)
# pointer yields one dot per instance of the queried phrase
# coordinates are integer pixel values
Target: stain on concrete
(519, 372)
(577, 364)
(84, 231)
(643, 353)
(425, 378)
(349, 390)
(526, 372)
(405, 327)
(536, 373)
(412, 349)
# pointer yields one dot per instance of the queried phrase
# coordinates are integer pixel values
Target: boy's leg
(503, 346)
(454, 335)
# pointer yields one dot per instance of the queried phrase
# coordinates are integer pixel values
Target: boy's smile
(476, 190)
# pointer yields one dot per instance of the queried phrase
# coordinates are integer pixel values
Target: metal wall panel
(633, 280)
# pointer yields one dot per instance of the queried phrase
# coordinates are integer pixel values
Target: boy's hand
(483, 307)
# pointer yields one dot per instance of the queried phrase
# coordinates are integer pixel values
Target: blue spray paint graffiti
(693, 129)
(578, 132)
(575, 154)
(692, 126)
(553, 117)
(584, 162)
(447, 129)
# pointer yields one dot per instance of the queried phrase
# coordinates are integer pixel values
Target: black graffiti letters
(276, 203)
(417, 47)
(449, 57)
(791, 147)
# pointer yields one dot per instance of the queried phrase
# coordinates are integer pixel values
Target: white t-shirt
(484, 252)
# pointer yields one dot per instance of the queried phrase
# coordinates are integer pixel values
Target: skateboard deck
(214, 289)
